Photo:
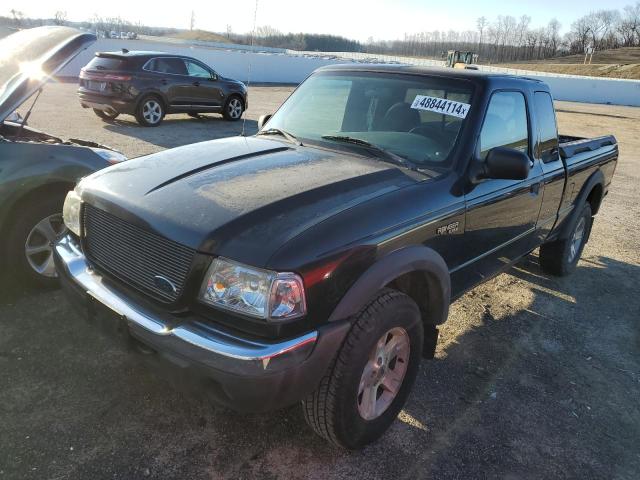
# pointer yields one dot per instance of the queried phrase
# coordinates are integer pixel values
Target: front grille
(139, 258)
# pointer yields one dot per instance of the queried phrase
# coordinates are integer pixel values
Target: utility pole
(193, 19)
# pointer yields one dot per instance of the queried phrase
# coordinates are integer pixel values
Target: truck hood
(239, 197)
(29, 58)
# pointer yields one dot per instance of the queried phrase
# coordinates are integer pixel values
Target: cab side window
(547, 149)
(505, 124)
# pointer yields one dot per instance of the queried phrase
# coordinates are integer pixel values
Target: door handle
(164, 81)
(196, 84)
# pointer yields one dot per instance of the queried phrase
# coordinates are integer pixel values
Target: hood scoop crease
(203, 168)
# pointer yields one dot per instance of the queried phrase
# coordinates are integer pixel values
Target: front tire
(233, 109)
(150, 111)
(106, 116)
(368, 383)
(561, 257)
(30, 241)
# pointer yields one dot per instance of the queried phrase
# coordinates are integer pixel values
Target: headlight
(252, 291)
(110, 156)
(71, 212)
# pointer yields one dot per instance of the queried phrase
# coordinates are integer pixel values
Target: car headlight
(71, 212)
(252, 291)
(110, 156)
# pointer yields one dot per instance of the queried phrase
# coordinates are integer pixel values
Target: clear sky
(380, 19)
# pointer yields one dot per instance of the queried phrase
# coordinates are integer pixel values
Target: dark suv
(149, 85)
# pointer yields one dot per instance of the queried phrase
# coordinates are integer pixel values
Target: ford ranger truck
(313, 262)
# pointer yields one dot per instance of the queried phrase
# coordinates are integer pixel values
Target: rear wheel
(30, 241)
(150, 111)
(106, 115)
(561, 256)
(233, 109)
(369, 381)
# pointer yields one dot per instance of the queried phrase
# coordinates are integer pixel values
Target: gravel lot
(535, 377)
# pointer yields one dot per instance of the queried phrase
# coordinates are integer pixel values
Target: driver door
(501, 215)
(205, 91)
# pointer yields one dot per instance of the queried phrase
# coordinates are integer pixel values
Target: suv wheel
(30, 242)
(233, 109)
(369, 381)
(561, 256)
(150, 112)
(106, 115)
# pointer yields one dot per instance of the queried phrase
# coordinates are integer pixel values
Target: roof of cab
(475, 76)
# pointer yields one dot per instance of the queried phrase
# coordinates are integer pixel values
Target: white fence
(293, 67)
(238, 64)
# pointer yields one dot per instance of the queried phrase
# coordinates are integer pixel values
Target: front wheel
(30, 241)
(369, 381)
(150, 112)
(233, 109)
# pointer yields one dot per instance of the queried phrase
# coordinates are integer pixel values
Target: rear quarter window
(106, 63)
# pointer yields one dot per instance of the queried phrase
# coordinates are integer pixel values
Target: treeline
(102, 24)
(504, 39)
(509, 39)
(267, 36)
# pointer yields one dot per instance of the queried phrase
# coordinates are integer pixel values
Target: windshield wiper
(284, 133)
(394, 158)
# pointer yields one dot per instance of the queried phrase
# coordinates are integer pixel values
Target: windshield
(418, 118)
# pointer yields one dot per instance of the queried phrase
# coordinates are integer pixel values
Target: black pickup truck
(314, 261)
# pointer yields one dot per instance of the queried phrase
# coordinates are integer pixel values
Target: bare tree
(629, 25)
(553, 34)
(60, 17)
(18, 16)
(481, 24)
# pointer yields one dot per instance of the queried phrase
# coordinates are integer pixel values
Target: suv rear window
(106, 63)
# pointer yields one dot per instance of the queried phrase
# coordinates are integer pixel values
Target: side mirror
(505, 164)
(214, 76)
(262, 120)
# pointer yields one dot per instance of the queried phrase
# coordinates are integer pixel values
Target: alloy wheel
(576, 239)
(152, 111)
(383, 374)
(234, 108)
(38, 247)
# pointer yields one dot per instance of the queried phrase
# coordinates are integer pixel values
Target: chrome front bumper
(191, 339)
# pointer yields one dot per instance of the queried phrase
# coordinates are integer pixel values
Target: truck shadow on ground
(514, 394)
(520, 371)
(173, 131)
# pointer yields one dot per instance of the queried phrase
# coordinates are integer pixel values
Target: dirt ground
(612, 70)
(535, 377)
(616, 63)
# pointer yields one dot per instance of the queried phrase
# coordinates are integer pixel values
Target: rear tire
(366, 386)
(104, 115)
(29, 242)
(233, 109)
(561, 257)
(150, 111)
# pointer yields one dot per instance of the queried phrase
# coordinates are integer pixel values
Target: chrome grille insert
(144, 260)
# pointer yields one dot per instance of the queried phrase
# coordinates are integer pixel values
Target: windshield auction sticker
(441, 105)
